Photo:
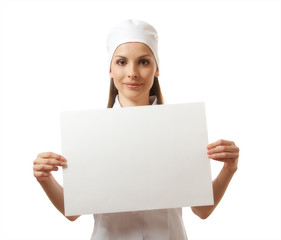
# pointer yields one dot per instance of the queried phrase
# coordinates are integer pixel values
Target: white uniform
(163, 224)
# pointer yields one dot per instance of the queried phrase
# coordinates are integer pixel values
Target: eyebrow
(146, 55)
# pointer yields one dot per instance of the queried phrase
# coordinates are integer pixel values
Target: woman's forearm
(55, 193)
(220, 185)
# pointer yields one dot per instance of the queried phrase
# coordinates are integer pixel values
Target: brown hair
(155, 90)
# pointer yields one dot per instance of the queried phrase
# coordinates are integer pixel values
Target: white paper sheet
(135, 158)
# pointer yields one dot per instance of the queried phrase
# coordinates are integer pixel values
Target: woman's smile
(133, 85)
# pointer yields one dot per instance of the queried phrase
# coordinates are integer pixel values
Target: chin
(133, 95)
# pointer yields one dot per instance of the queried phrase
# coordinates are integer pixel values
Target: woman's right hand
(45, 163)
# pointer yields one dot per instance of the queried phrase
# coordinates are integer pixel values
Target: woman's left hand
(224, 151)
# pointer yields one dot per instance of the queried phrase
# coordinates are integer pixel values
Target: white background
(226, 53)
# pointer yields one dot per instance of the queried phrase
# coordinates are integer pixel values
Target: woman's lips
(133, 85)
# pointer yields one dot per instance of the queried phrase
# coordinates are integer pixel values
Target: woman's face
(133, 69)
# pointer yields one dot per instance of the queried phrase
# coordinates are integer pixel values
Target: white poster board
(135, 158)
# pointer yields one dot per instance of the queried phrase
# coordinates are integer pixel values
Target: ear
(157, 73)
(110, 73)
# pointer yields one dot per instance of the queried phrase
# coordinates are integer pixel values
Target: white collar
(152, 101)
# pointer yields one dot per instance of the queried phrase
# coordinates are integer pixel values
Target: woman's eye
(144, 62)
(121, 62)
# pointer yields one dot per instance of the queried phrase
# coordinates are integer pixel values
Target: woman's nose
(132, 73)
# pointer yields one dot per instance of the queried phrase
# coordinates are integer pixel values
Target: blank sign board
(135, 158)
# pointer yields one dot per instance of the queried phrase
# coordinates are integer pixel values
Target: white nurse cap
(132, 31)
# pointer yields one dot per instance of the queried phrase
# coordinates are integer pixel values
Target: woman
(134, 71)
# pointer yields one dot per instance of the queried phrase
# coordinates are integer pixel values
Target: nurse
(134, 70)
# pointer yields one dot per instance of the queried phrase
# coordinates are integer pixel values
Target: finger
(51, 155)
(41, 174)
(49, 161)
(220, 149)
(223, 156)
(220, 143)
(45, 168)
